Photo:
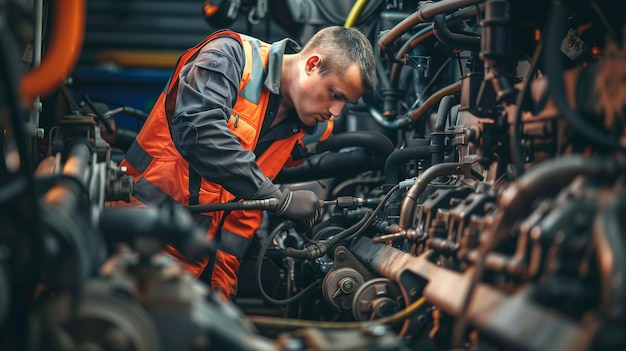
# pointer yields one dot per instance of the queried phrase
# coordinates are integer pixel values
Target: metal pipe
(65, 195)
(37, 44)
(63, 52)
(424, 13)
(425, 33)
(418, 187)
(437, 96)
(386, 122)
(455, 40)
(399, 157)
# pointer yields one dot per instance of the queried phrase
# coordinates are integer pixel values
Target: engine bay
(474, 201)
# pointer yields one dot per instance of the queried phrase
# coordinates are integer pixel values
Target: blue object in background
(138, 88)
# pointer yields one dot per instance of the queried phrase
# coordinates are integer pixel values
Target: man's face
(320, 97)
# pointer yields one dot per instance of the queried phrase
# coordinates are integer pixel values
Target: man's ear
(312, 62)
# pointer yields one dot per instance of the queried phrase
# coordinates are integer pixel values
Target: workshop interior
(475, 200)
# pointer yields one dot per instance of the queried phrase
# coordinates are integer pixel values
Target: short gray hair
(344, 47)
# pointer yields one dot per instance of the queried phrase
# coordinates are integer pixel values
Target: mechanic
(232, 115)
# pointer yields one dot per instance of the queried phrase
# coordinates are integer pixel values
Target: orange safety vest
(157, 166)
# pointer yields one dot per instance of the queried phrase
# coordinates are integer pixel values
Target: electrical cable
(322, 247)
(330, 14)
(354, 14)
(101, 118)
(131, 111)
(516, 138)
(259, 264)
(432, 80)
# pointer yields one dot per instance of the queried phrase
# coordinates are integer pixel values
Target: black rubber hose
(101, 118)
(376, 142)
(376, 147)
(451, 39)
(321, 247)
(168, 224)
(330, 165)
(124, 138)
(425, 12)
(399, 157)
(138, 114)
(259, 264)
(443, 112)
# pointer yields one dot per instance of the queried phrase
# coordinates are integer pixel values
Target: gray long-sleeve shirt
(208, 89)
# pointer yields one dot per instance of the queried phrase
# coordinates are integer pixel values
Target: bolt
(341, 255)
(347, 285)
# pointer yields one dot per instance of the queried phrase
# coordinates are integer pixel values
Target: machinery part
(148, 229)
(5, 293)
(63, 51)
(339, 287)
(107, 320)
(554, 70)
(221, 13)
(491, 310)
(369, 337)
(372, 149)
(376, 298)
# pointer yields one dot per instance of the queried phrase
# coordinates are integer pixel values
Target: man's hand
(302, 207)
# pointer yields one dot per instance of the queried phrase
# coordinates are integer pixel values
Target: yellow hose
(395, 318)
(354, 14)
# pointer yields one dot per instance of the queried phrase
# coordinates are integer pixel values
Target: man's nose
(335, 109)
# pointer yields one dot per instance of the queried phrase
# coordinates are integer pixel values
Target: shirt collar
(274, 66)
(293, 116)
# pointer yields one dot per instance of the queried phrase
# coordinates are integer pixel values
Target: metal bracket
(420, 63)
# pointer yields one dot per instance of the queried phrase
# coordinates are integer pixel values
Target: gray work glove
(302, 207)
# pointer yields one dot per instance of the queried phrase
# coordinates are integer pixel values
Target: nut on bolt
(341, 255)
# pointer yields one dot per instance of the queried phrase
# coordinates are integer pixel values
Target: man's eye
(333, 95)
